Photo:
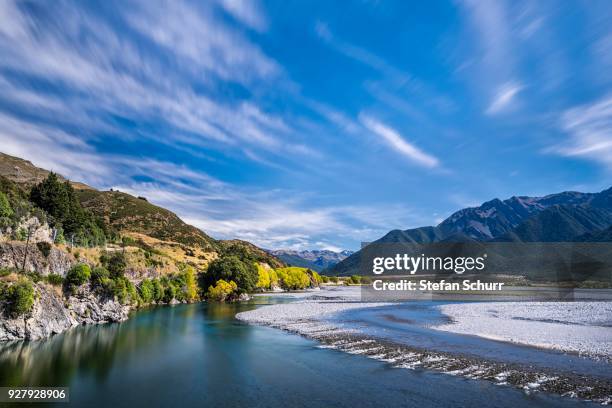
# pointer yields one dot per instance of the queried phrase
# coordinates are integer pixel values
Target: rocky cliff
(53, 314)
(55, 261)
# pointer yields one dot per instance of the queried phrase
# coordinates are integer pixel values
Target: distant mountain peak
(561, 217)
(315, 259)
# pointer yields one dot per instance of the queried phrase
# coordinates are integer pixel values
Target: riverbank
(329, 319)
(583, 328)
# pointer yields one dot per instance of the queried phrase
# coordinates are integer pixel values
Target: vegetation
(5, 207)
(115, 263)
(263, 281)
(293, 278)
(231, 268)
(123, 212)
(248, 252)
(355, 279)
(18, 298)
(222, 290)
(99, 275)
(44, 248)
(55, 279)
(78, 275)
(147, 291)
(64, 210)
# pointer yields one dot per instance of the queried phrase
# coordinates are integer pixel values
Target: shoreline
(309, 318)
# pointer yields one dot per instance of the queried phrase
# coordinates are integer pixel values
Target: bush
(146, 290)
(356, 279)
(333, 279)
(222, 290)
(231, 268)
(98, 275)
(44, 248)
(324, 279)
(19, 298)
(169, 293)
(115, 263)
(122, 289)
(5, 206)
(366, 280)
(55, 279)
(78, 275)
(158, 290)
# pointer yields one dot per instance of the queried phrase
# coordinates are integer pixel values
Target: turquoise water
(199, 355)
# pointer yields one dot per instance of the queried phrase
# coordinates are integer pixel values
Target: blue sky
(311, 124)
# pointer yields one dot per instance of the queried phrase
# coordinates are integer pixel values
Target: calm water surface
(199, 355)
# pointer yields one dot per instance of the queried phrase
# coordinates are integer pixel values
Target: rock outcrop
(56, 261)
(54, 314)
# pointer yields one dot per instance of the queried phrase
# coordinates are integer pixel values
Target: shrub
(44, 248)
(19, 298)
(333, 279)
(366, 280)
(169, 293)
(158, 290)
(122, 289)
(231, 268)
(222, 290)
(78, 275)
(34, 276)
(98, 275)
(146, 290)
(115, 263)
(55, 279)
(324, 279)
(5, 206)
(356, 279)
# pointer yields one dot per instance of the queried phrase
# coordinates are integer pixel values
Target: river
(200, 355)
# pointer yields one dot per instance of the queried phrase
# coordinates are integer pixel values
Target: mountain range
(317, 260)
(564, 217)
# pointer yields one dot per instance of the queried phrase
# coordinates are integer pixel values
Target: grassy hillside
(155, 239)
(123, 212)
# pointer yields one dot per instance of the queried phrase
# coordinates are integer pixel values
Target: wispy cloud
(590, 130)
(504, 97)
(102, 72)
(248, 12)
(398, 143)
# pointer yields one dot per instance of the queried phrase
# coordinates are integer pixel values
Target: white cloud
(246, 11)
(590, 130)
(504, 97)
(395, 140)
(104, 73)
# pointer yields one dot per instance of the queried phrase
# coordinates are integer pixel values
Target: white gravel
(303, 317)
(578, 327)
(307, 316)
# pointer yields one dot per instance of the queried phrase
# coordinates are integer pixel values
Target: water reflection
(92, 349)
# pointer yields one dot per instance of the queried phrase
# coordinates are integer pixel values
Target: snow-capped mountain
(314, 259)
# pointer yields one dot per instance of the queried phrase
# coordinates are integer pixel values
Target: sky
(311, 124)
